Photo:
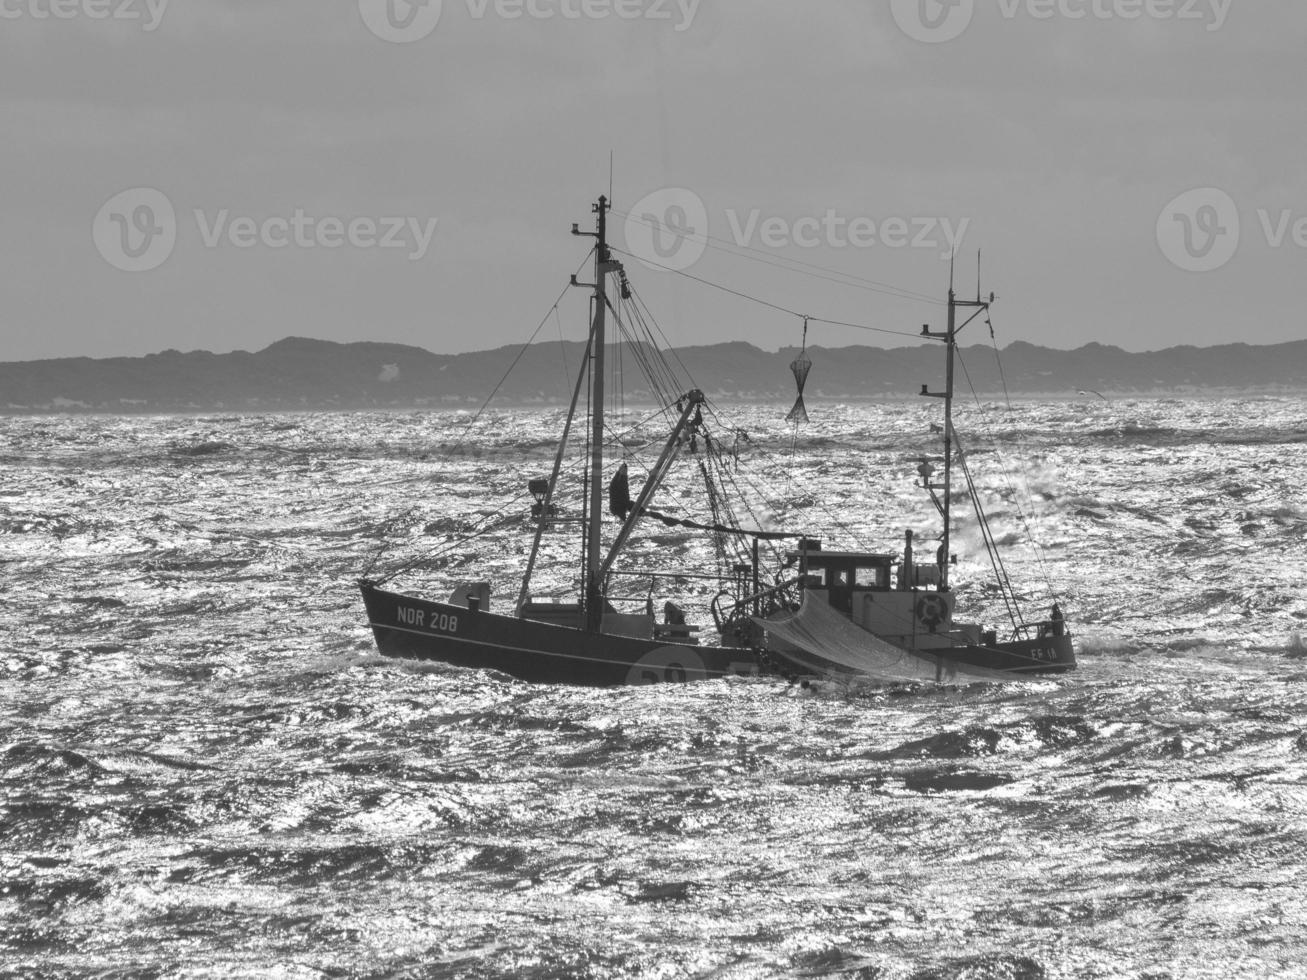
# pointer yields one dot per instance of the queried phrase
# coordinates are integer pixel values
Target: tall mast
(592, 600)
(950, 338)
(950, 341)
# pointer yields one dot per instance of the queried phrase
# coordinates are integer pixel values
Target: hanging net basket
(801, 367)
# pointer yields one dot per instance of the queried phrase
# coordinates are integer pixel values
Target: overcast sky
(220, 174)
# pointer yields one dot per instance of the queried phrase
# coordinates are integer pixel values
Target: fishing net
(819, 639)
(801, 366)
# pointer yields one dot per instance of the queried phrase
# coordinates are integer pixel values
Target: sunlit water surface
(207, 771)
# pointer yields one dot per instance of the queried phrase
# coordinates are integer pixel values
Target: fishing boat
(784, 605)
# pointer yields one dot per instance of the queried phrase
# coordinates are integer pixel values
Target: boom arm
(692, 402)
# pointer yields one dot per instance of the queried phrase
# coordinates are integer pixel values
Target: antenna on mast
(610, 176)
(978, 252)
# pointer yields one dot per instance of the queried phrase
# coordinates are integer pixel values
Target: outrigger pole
(693, 407)
(547, 502)
(950, 338)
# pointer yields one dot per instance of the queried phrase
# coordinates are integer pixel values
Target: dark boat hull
(540, 653)
(1045, 655)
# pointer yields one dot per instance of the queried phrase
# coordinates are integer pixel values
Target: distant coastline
(297, 374)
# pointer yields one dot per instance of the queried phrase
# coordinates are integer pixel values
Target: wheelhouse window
(871, 577)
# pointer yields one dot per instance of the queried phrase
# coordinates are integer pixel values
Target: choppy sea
(206, 771)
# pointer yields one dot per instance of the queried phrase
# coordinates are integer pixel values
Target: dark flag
(619, 495)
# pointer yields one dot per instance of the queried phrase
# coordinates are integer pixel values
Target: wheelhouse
(844, 575)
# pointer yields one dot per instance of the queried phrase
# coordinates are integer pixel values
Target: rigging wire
(982, 518)
(651, 325)
(521, 354)
(991, 545)
(834, 522)
(776, 260)
(1041, 558)
(640, 331)
(493, 522)
(659, 371)
(770, 305)
(662, 412)
(562, 341)
(386, 544)
(998, 360)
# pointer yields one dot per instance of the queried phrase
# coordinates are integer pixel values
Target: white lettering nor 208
(440, 622)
